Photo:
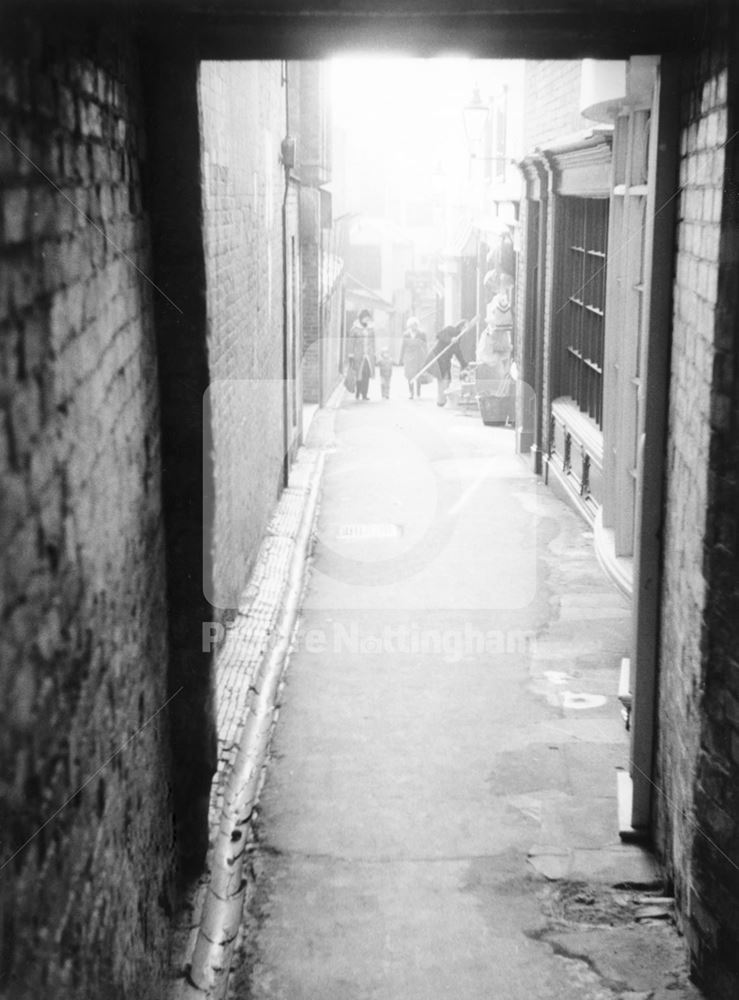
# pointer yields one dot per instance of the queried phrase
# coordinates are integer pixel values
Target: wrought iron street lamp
(475, 116)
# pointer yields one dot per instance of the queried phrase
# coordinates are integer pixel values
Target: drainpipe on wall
(538, 444)
(286, 163)
(547, 249)
(322, 291)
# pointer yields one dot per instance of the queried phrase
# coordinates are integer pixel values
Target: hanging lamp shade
(475, 115)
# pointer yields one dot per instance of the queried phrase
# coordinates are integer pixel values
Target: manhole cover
(359, 532)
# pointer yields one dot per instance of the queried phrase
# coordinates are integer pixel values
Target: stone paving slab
(412, 820)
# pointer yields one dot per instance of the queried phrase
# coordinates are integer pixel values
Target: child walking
(385, 364)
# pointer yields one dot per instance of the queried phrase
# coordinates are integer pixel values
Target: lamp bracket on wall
(289, 152)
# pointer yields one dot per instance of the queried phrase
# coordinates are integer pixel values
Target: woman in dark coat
(441, 355)
(361, 352)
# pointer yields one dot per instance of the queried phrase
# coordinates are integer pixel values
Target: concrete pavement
(439, 814)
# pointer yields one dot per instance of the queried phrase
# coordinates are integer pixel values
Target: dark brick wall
(551, 99)
(173, 185)
(86, 830)
(684, 592)
(698, 754)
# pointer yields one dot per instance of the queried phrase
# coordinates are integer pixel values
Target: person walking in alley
(495, 345)
(440, 358)
(413, 354)
(385, 364)
(361, 352)
(496, 370)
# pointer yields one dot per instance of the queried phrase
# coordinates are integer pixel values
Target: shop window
(582, 315)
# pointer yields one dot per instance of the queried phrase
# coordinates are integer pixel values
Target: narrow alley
(439, 815)
(369, 500)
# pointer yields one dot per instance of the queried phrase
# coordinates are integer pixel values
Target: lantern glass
(475, 116)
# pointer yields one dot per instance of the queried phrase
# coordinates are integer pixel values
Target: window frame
(580, 327)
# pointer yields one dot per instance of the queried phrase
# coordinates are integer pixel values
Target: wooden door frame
(650, 504)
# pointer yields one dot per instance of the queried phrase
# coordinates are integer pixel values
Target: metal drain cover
(360, 532)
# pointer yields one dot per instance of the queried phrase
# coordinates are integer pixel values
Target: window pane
(583, 280)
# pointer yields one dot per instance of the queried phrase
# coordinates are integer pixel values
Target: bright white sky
(410, 110)
(375, 88)
(398, 104)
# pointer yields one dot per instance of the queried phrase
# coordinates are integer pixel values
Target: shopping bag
(350, 379)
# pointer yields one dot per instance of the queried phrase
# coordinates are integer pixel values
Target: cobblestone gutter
(248, 670)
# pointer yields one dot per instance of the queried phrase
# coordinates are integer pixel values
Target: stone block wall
(87, 833)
